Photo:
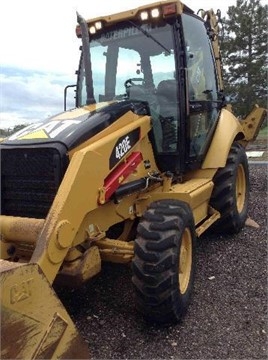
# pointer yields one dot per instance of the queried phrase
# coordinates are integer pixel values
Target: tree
(10, 131)
(244, 54)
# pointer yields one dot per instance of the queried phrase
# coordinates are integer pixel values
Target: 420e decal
(123, 145)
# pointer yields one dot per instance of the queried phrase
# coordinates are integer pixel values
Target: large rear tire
(230, 195)
(164, 261)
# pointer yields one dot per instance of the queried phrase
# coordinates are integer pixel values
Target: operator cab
(167, 63)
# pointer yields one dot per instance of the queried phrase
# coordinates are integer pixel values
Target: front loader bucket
(34, 323)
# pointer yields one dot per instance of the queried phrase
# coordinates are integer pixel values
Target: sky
(40, 52)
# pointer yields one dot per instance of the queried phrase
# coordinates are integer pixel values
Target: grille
(30, 179)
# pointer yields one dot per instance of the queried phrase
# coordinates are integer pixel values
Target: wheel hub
(185, 261)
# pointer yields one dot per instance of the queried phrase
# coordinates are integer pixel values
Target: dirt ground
(259, 145)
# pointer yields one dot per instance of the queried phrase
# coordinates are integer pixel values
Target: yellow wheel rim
(185, 261)
(240, 188)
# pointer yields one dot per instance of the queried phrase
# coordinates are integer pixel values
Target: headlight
(144, 15)
(155, 13)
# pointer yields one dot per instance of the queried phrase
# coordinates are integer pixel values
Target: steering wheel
(130, 82)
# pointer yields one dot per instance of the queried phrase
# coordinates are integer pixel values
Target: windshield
(130, 62)
(125, 56)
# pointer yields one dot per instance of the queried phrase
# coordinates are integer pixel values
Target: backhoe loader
(150, 157)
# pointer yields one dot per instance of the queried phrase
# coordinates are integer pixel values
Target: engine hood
(71, 127)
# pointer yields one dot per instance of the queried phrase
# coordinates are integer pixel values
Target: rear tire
(230, 195)
(164, 261)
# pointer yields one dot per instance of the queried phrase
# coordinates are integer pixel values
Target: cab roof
(166, 8)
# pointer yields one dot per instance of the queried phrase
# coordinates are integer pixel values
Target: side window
(202, 85)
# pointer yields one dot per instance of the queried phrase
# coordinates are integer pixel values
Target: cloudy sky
(39, 52)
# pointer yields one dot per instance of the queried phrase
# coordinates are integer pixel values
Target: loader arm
(62, 223)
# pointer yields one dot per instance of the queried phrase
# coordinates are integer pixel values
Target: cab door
(203, 96)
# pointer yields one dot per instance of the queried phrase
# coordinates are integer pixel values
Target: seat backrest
(167, 97)
(137, 92)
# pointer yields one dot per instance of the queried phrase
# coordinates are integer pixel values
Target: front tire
(164, 261)
(230, 195)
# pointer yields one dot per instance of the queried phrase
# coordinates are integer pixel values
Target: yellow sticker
(38, 134)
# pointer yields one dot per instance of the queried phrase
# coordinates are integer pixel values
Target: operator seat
(167, 98)
(168, 111)
(136, 92)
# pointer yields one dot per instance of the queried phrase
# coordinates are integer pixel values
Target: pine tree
(244, 53)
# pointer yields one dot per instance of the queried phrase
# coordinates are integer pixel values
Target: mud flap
(34, 323)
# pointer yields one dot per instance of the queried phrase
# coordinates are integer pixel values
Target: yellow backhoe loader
(150, 158)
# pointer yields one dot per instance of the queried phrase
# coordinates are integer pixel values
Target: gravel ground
(227, 318)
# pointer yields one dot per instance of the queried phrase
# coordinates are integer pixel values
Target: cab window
(204, 104)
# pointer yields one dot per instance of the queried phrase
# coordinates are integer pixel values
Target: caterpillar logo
(48, 130)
